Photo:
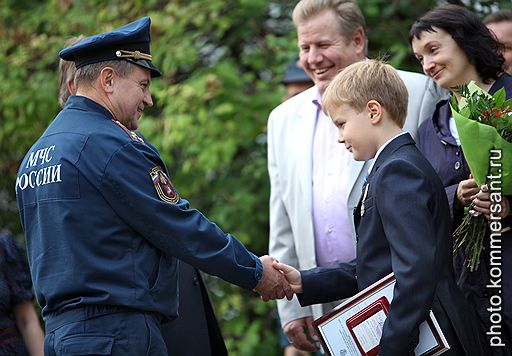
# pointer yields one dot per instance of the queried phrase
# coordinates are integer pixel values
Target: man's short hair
(88, 74)
(349, 15)
(368, 80)
(503, 15)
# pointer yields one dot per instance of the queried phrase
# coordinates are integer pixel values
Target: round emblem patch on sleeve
(163, 186)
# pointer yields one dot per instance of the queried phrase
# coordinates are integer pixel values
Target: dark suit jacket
(196, 330)
(405, 229)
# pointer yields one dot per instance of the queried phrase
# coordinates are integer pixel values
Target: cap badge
(133, 135)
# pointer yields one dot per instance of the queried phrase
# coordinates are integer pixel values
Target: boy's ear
(375, 111)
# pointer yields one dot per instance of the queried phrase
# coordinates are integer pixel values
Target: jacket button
(457, 165)
(196, 281)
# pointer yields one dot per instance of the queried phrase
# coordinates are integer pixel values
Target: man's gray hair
(89, 73)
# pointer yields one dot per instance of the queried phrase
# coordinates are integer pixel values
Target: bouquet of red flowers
(484, 124)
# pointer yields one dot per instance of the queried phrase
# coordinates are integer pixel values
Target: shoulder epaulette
(134, 137)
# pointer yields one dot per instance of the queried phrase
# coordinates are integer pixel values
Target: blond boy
(402, 220)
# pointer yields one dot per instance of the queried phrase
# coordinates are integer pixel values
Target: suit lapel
(395, 144)
(303, 136)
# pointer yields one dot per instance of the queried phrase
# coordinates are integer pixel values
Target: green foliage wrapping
(222, 61)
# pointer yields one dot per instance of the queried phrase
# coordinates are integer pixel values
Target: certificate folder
(354, 327)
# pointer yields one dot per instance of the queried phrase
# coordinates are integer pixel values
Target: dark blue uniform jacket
(104, 225)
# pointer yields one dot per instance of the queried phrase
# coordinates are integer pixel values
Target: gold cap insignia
(135, 55)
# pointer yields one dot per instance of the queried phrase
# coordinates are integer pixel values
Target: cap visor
(155, 72)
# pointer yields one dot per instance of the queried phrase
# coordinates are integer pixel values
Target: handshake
(279, 280)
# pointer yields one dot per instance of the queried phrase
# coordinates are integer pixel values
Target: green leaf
(499, 97)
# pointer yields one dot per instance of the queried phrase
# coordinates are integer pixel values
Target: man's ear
(106, 79)
(71, 86)
(375, 111)
(359, 40)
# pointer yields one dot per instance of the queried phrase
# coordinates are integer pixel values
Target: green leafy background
(223, 61)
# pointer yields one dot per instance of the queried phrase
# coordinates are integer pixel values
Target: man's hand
(302, 334)
(291, 274)
(273, 285)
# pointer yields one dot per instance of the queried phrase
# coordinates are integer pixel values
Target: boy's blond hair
(368, 80)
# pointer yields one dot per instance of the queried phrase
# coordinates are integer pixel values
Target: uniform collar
(83, 103)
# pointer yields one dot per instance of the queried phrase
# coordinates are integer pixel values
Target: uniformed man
(103, 222)
(195, 309)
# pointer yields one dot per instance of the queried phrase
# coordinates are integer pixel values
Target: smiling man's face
(324, 51)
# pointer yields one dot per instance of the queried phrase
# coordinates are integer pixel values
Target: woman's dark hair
(470, 34)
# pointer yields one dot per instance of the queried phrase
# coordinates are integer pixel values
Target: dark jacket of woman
(438, 145)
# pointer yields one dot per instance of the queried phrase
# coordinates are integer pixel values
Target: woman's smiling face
(442, 59)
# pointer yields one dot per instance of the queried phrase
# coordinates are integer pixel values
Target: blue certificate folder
(354, 327)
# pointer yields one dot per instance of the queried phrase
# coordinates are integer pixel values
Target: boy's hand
(291, 274)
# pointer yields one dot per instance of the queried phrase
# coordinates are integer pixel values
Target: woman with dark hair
(454, 47)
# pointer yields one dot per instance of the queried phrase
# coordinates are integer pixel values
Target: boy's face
(355, 131)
